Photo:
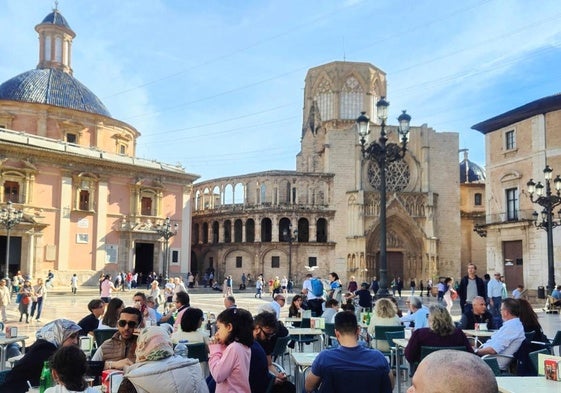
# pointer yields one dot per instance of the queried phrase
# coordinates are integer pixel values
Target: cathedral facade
(325, 215)
(89, 204)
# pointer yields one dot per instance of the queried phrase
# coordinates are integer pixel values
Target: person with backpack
(312, 288)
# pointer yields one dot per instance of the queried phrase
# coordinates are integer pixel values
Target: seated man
(556, 294)
(418, 314)
(350, 363)
(517, 293)
(119, 351)
(148, 313)
(266, 330)
(331, 308)
(479, 314)
(458, 372)
(508, 338)
(91, 321)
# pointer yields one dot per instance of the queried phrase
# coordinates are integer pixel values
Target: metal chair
(394, 352)
(427, 350)
(556, 342)
(494, 365)
(199, 351)
(519, 362)
(101, 335)
(534, 359)
(280, 350)
(329, 332)
(380, 336)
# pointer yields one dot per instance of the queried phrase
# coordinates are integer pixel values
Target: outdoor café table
(478, 333)
(292, 319)
(399, 343)
(527, 385)
(4, 342)
(307, 332)
(302, 361)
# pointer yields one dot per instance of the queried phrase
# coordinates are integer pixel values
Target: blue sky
(217, 85)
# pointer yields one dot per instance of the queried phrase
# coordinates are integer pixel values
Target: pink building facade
(89, 204)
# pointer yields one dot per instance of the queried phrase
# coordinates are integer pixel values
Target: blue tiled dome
(52, 87)
(470, 172)
(56, 18)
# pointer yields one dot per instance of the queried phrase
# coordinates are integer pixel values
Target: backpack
(317, 287)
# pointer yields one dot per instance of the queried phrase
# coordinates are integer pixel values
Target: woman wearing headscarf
(55, 334)
(158, 370)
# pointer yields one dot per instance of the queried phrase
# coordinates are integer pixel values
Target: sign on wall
(111, 252)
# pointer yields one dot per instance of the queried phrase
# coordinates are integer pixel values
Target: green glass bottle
(46, 379)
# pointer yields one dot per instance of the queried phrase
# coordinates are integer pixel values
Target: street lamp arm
(547, 201)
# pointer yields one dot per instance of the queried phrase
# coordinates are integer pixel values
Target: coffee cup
(483, 326)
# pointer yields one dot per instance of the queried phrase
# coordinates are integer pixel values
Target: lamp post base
(383, 293)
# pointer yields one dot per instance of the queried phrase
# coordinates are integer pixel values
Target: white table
(308, 332)
(4, 342)
(527, 384)
(478, 333)
(302, 362)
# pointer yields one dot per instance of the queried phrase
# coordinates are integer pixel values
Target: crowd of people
(141, 344)
(149, 324)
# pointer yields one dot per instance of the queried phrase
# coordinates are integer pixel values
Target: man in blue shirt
(350, 365)
(418, 313)
(556, 294)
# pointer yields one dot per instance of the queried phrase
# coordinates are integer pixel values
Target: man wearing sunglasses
(119, 351)
(266, 330)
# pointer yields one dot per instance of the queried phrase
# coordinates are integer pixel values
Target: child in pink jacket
(230, 352)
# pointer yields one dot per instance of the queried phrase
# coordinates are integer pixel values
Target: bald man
(458, 372)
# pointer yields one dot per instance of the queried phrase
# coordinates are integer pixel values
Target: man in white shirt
(494, 293)
(508, 338)
(148, 314)
(277, 303)
(314, 302)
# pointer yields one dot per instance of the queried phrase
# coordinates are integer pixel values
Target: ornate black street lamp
(165, 230)
(548, 201)
(290, 237)
(9, 218)
(383, 153)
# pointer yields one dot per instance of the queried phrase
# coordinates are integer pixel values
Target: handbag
(453, 294)
(24, 299)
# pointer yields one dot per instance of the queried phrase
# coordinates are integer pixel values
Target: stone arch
(321, 230)
(324, 96)
(303, 230)
(230, 262)
(351, 97)
(284, 226)
(266, 257)
(239, 193)
(229, 194)
(404, 243)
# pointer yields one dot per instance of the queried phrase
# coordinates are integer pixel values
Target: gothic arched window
(352, 96)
